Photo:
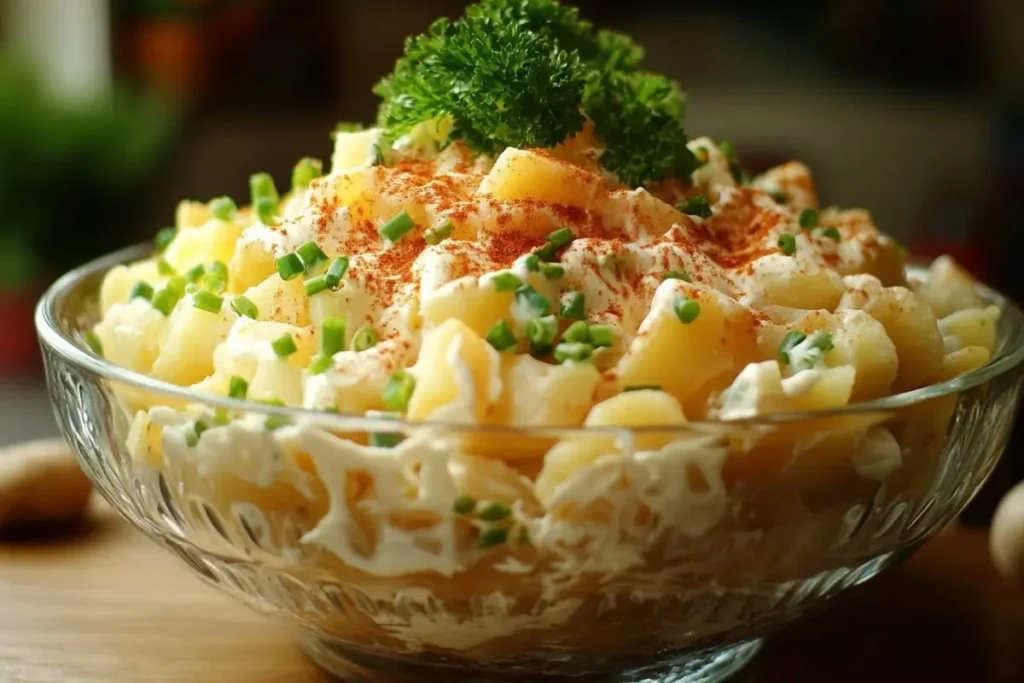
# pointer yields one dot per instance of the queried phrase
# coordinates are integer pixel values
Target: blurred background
(113, 110)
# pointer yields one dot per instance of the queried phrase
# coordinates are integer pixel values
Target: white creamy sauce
(879, 454)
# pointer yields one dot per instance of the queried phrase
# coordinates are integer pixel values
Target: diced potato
(119, 280)
(186, 351)
(456, 368)
(646, 215)
(215, 384)
(972, 326)
(537, 393)
(780, 280)
(948, 288)
(684, 358)
(860, 341)
(480, 307)
(794, 180)
(247, 353)
(525, 174)
(632, 409)
(760, 390)
(213, 241)
(251, 264)
(130, 334)
(354, 150)
(877, 254)
(714, 175)
(191, 215)
(963, 360)
(280, 300)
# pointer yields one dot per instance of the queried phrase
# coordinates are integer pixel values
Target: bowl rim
(1008, 355)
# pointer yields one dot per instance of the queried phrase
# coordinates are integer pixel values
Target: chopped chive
(290, 266)
(808, 218)
(435, 236)
(542, 331)
(696, 206)
(574, 352)
(601, 336)
(364, 338)
(573, 306)
(506, 282)
(165, 268)
(728, 150)
(398, 391)
(332, 335)
(275, 422)
(93, 340)
(552, 271)
(832, 233)
(559, 238)
(642, 387)
(141, 290)
(165, 300)
(311, 255)
(378, 155)
(464, 505)
(319, 365)
(495, 512)
(687, 310)
(223, 208)
(305, 172)
(678, 275)
(261, 186)
(501, 338)
(493, 537)
(577, 333)
(164, 238)
(243, 306)
(780, 197)
(207, 301)
(266, 210)
(703, 155)
(221, 417)
(532, 263)
(821, 341)
(238, 387)
(792, 339)
(195, 273)
(787, 244)
(215, 278)
(275, 402)
(177, 285)
(191, 439)
(531, 303)
(385, 439)
(284, 345)
(315, 285)
(545, 253)
(397, 227)
(336, 271)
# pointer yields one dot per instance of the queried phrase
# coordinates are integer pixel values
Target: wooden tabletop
(107, 605)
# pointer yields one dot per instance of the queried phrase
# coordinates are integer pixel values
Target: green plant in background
(71, 175)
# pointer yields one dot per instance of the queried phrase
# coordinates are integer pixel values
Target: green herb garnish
(207, 301)
(223, 208)
(364, 338)
(164, 238)
(284, 345)
(493, 537)
(573, 352)
(305, 172)
(506, 282)
(792, 339)
(501, 337)
(243, 306)
(141, 290)
(435, 236)
(290, 266)
(687, 310)
(238, 388)
(573, 305)
(332, 335)
(531, 303)
(397, 227)
(495, 512)
(787, 244)
(311, 255)
(808, 219)
(398, 391)
(677, 275)
(336, 271)
(542, 331)
(696, 206)
(464, 505)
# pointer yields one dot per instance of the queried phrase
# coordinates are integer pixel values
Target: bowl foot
(353, 665)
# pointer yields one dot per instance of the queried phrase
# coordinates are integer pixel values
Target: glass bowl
(667, 563)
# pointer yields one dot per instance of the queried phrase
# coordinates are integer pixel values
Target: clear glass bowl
(765, 520)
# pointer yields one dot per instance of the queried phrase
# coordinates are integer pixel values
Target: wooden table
(109, 606)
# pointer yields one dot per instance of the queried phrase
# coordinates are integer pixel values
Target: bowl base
(358, 666)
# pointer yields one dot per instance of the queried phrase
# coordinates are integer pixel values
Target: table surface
(109, 605)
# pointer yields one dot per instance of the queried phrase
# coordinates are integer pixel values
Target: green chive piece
(332, 335)
(290, 266)
(315, 285)
(545, 253)
(238, 388)
(215, 278)
(141, 290)
(821, 341)
(311, 255)
(435, 236)
(275, 402)
(364, 338)
(397, 227)
(284, 345)
(305, 172)
(275, 422)
(319, 365)
(678, 275)
(808, 218)
(261, 186)
(573, 305)
(398, 391)
(336, 271)
(493, 537)
(703, 155)
(221, 417)
(385, 440)
(687, 310)
(191, 439)
(577, 333)
(559, 238)
(542, 332)
(531, 303)
(643, 387)
(266, 210)
(780, 197)
(243, 306)
(195, 273)
(495, 512)
(501, 338)
(164, 238)
(532, 263)
(177, 285)
(93, 340)
(696, 206)
(165, 268)
(573, 352)
(787, 244)
(728, 150)
(378, 155)
(165, 300)
(832, 233)
(602, 336)
(506, 282)
(789, 342)
(223, 208)
(552, 271)
(207, 301)
(464, 505)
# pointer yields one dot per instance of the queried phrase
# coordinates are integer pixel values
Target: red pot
(19, 346)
